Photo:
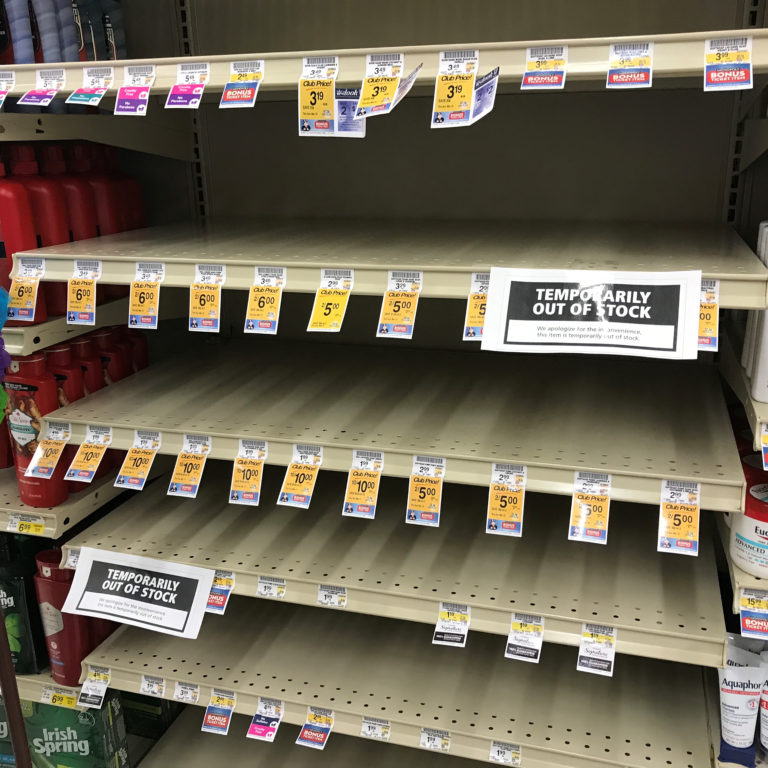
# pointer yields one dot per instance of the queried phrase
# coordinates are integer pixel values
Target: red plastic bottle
(32, 394)
(84, 352)
(104, 159)
(138, 347)
(68, 637)
(123, 343)
(113, 359)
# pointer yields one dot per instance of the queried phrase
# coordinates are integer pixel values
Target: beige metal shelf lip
(648, 713)
(448, 258)
(31, 686)
(511, 408)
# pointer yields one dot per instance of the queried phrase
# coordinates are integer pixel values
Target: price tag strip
(317, 728)
(331, 300)
(94, 688)
(242, 88)
(49, 449)
(709, 315)
(506, 500)
(545, 68)
(81, 292)
(59, 696)
(383, 72)
(505, 753)
(22, 295)
(753, 613)
(727, 64)
(189, 693)
(247, 473)
(317, 92)
(679, 517)
(263, 312)
(375, 728)
(133, 94)
(590, 507)
(48, 82)
(301, 475)
(205, 297)
(137, 464)
(221, 589)
(19, 522)
(454, 88)
(190, 463)
(425, 491)
(398, 308)
(526, 637)
(152, 686)
(431, 738)
(266, 721)
(7, 84)
(363, 484)
(597, 649)
(331, 596)
(271, 586)
(218, 713)
(191, 78)
(96, 82)
(144, 303)
(630, 65)
(452, 625)
(90, 453)
(474, 318)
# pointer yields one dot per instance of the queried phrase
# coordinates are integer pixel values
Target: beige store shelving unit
(32, 687)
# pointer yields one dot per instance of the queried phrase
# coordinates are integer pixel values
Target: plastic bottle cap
(22, 159)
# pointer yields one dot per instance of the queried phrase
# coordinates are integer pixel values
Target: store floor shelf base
(633, 421)
(664, 606)
(649, 713)
(447, 256)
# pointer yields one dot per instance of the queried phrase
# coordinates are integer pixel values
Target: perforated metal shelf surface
(641, 421)
(649, 713)
(447, 255)
(664, 606)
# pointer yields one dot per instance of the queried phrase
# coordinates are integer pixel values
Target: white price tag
(97, 80)
(218, 713)
(270, 586)
(191, 78)
(434, 739)
(133, 94)
(505, 753)
(188, 693)
(266, 721)
(242, 88)
(728, 63)
(526, 636)
(375, 728)
(630, 65)
(597, 649)
(152, 686)
(452, 625)
(545, 68)
(317, 728)
(7, 84)
(331, 596)
(95, 687)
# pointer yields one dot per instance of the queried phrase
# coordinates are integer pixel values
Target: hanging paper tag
(96, 82)
(266, 721)
(152, 686)
(375, 728)
(526, 636)
(425, 491)
(73, 556)
(242, 88)
(452, 625)
(317, 729)
(545, 68)
(728, 64)
(331, 596)
(191, 78)
(205, 297)
(218, 713)
(271, 586)
(94, 688)
(49, 449)
(221, 589)
(709, 315)
(405, 86)
(189, 693)
(630, 65)
(144, 303)
(33, 525)
(317, 91)
(58, 697)
(7, 84)
(398, 308)
(22, 295)
(247, 473)
(81, 292)
(485, 95)
(331, 300)
(190, 464)
(89, 454)
(753, 613)
(264, 299)
(454, 88)
(300, 477)
(474, 319)
(431, 738)
(347, 126)
(597, 649)
(138, 461)
(363, 484)
(590, 507)
(506, 500)
(679, 517)
(505, 753)
(382, 79)
(48, 82)
(133, 94)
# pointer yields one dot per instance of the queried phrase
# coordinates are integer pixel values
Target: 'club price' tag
(590, 507)
(133, 95)
(205, 297)
(382, 79)
(474, 319)
(144, 304)
(263, 310)
(22, 295)
(300, 477)
(49, 450)
(425, 491)
(452, 625)
(190, 463)
(454, 88)
(679, 517)
(597, 649)
(709, 315)
(242, 87)
(81, 292)
(506, 500)
(526, 637)
(363, 484)
(398, 308)
(90, 453)
(247, 473)
(317, 728)
(317, 96)
(138, 461)
(331, 300)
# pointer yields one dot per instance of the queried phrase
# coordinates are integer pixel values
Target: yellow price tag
(753, 601)
(328, 310)
(298, 485)
(317, 99)
(204, 307)
(728, 57)
(187, 474)
(589, 517)
(22, 297)
(545, 64)
(246, 481)
(424, 497)
(263, 309)
(453, 93)
(680, 522)
(362, 493)
(144, 304)
(505, 506)
(474, 319)
(398, 314)
(136, 468)
(377, 92)
(36, 529)
(318, 718)
(86, 462)
(46, 457)
(222, 701)
(81, 301)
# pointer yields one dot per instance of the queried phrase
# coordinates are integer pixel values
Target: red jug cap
(22, 160)
(61, 354)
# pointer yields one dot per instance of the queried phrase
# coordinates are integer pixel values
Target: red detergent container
(49, 209)
(32, 394)
(113, 358)
(138, 347)
(67, 636)
(84, 352)
(121, 340)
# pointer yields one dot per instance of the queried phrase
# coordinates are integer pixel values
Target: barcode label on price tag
(597, 649)
(505, 753)
(474, 318)
(301, 475)
(399, 305)
(590, 507)
(331, 596)
(425, 491)
(263, 312)
(452, 625)
(506, 500)
(431, 738)
(375, 728)
(526, 637)
(138, 461)
(709, 316)
(679, 517)
(7, 84)
(270, 586)
(363, 484)
(331, 299)
(152, 686)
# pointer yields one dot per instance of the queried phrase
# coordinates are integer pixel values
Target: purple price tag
(185, 96)
(38, 97)
(132, 100)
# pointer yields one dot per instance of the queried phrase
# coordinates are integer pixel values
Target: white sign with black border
(643, 314)
(153, 594)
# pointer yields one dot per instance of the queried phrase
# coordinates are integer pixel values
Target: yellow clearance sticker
(377, 91)
(263, 309)
(22, 298)
(144, 304)
(362, 493)
(329, 309)
(424, 495)
(506, 506)
(86, 462)
(316, 99)
(81, 301)
(136, 468)
(187, 474)
(589, 517)
(453, 93)
(246, 481)
(298, 485)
